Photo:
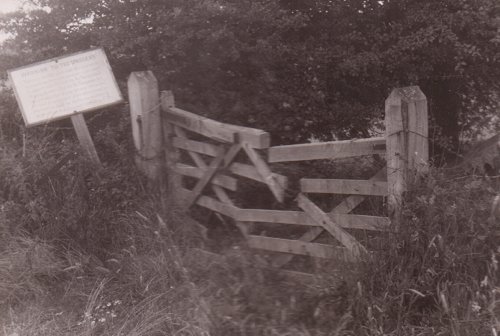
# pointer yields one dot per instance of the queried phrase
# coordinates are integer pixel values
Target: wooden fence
(217, 156)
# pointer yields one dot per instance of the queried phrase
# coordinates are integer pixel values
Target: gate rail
(210, 152)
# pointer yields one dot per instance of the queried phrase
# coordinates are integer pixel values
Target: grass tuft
(26, 266)
(437, 275)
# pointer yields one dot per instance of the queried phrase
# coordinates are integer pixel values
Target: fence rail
(327, 150)
(350, 187)
(216, 130)
(209, 153)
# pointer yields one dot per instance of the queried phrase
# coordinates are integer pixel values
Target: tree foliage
(293, 67)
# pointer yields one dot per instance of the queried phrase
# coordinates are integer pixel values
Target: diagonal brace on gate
(219, 191)
(265, 172)
(222, 160)
(346, 206)
(321, 218)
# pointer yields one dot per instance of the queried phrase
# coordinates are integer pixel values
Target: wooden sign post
(66, 86)
(83, 135)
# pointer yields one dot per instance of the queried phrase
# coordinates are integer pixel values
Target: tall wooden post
(171, 154)
(406, 125)
(144, 100)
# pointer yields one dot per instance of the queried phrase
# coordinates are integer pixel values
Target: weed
(26, 265)
(430, 279)
(83, 252)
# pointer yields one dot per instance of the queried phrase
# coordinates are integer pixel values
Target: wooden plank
(216, 130)
(194, 156)
(335, 230)
(361, 222)
(297, 247)
(240, 169)
(83, 135)
(347, 187)
(210, 203)
(344, 207)
(267, 175)
(223, 159)
(256, 138)
(219, 179)
(221, 193)
(245, 170)
(327, 150)
(174, 180)
(244, 228)
(196, 146)
(201, 125)
(214, 205)
(209, 174)
(250, 172)
(274, 216)
(231, 154)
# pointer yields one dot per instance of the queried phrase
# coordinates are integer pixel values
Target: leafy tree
(293, 67)
(449, 48)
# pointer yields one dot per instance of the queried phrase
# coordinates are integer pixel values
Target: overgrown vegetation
(88, 251)
(294, 68)
(439, 276)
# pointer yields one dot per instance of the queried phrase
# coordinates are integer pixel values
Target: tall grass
(439, 274)
(86, 253)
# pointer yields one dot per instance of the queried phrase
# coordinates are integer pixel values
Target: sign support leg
(83, 134)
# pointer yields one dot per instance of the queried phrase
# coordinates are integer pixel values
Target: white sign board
(60, 87)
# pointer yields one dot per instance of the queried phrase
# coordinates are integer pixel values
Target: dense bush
(294, 68)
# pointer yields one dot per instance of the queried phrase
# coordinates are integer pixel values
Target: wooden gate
(215, 156)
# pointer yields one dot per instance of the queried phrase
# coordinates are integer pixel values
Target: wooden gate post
(144, 100)
(407, 143)
(171, 153)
